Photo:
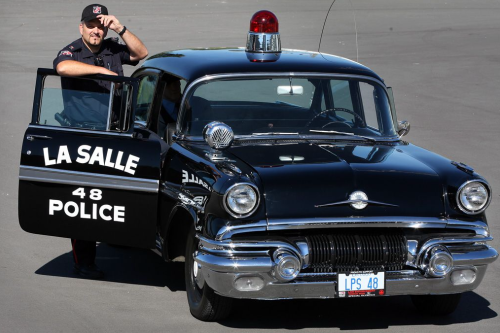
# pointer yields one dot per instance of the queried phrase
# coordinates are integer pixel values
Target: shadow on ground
(350, 314)
(137, 266)
(124, 265)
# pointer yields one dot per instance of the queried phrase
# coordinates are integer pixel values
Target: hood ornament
(357, 200)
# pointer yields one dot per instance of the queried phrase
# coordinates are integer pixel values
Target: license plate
(361, 284)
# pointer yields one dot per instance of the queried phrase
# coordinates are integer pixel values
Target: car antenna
(355, 29)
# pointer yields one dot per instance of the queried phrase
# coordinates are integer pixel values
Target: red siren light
(264, 21)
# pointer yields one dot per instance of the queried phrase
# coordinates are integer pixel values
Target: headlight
(473, 197)
(241, 200)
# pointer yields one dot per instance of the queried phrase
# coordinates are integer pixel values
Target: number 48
(95, 194)
(373, 283)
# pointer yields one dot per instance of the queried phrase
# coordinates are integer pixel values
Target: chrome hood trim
(479, 227)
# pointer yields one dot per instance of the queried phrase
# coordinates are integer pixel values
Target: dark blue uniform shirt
(91, 108)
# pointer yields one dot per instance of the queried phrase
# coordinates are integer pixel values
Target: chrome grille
(339, 252)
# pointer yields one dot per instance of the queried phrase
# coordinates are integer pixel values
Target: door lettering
(96, 155)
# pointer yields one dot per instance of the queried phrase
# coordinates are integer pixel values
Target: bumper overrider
(281, 269)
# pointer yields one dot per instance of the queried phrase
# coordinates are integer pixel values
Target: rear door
(85, 172)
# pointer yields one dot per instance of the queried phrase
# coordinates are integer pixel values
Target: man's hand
(111, 22)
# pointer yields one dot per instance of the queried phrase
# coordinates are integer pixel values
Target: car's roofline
(191, 64)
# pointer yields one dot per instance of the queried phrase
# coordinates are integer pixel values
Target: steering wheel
(343, 124)
(335, 110)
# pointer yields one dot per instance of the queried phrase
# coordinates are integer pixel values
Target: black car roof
(191, 64)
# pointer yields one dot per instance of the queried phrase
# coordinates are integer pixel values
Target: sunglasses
(98, 61)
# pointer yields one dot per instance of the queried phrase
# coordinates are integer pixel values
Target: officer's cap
(92, 11)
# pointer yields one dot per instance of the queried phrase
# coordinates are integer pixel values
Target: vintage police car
(284, 176)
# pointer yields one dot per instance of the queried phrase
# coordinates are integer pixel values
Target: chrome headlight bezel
(235, 214)
(462, 207)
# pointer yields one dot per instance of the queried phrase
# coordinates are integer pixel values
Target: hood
(298, 177)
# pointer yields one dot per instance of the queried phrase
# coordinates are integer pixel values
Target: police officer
(92, 54)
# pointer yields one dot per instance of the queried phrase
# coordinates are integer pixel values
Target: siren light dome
(264, 21)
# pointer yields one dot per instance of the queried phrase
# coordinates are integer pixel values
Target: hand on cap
(111, 22)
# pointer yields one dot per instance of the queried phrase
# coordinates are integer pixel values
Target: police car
(276, 174)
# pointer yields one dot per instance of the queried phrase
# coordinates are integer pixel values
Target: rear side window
(84, 103)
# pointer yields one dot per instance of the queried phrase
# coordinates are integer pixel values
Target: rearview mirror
(290, 90)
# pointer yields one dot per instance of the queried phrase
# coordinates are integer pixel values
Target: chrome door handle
(41, 137)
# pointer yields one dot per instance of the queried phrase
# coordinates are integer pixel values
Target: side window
(368, 97)
(84, 103)
(342, 98)
(145, 96)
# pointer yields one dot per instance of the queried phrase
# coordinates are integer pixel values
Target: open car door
(85, 173)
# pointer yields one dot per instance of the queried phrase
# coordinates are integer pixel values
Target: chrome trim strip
(46, 175)
(77, 130)
(227, 231)
(212, 245)
(378, 221)
(479, 227)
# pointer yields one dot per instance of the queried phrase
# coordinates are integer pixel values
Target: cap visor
(90, 18)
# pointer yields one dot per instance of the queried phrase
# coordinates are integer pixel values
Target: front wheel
(436, 305)
(204, 303)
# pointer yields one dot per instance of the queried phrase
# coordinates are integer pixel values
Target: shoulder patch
(65, 53)
(115, 39)
(74, 46)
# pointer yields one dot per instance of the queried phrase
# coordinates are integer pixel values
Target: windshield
(290, 106)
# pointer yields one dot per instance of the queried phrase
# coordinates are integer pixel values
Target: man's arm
(76, 68)
(138, 50)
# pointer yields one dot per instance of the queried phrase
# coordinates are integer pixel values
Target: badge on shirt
(66, 53)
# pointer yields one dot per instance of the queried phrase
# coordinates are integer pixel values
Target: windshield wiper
(344, 133)
(276, 133)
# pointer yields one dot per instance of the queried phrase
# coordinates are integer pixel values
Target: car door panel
(89, 184)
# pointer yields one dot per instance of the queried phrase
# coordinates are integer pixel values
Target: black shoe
(89, 271)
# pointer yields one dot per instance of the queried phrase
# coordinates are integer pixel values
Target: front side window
(84, 103)
(301, 105)
(147, 87)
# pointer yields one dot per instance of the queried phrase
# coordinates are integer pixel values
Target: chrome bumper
(224, 262)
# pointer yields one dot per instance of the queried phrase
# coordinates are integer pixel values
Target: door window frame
(126, 115)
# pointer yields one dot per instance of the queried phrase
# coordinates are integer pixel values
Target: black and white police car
(283, 176)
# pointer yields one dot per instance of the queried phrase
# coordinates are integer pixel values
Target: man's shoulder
(74, 46)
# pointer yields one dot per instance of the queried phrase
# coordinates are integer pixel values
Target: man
(92, 54)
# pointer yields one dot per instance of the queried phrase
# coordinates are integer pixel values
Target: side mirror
(403, 128)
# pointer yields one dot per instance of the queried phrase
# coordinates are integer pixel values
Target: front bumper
(224, 262)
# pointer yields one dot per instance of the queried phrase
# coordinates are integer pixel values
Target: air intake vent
(331, 253)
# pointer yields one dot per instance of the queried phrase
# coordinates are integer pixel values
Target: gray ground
(441, 56)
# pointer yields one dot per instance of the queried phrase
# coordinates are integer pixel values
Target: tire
(204, 303)
(436, 305)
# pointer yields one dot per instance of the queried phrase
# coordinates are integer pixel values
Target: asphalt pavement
(442, 57)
